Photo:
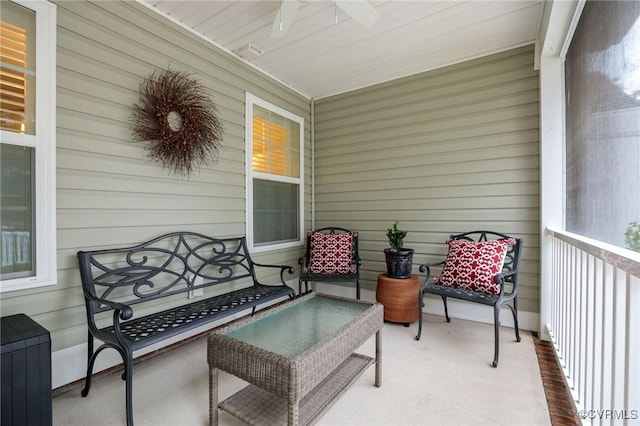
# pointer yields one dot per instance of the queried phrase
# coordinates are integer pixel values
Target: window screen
(602, 80)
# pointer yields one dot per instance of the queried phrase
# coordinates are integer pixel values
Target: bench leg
(90, 361)
(128, 374)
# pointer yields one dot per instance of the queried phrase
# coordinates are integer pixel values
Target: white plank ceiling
(319, 58)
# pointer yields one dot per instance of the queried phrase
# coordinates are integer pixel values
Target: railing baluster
(589, 373)
(619, 333)
(608, 340)
(598, 336)
(632, 355)
(570, 324)
(583, 278)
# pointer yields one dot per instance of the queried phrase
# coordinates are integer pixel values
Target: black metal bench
(120, 283)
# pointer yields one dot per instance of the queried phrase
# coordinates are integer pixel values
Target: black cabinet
(26, 372)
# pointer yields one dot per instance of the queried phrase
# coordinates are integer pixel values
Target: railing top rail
(620, 257)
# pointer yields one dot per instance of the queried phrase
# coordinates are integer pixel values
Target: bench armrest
(124, 311)
(290, 269)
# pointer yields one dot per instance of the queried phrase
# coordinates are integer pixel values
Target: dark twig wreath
(179, 121)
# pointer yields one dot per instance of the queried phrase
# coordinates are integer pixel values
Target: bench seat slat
(145, 330)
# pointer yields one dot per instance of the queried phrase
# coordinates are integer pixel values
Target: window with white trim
(27, 147)
(274, 149)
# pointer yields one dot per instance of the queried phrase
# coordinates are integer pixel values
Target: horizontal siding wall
(108, 191)
(445, 151)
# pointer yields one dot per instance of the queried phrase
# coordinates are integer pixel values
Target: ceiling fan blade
(285, 17)
(360, 10)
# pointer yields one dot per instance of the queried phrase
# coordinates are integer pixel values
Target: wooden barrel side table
(399, 297)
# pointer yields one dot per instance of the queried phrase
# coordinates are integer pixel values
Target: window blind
(13, 76)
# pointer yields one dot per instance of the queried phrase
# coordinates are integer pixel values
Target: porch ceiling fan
(360, 10)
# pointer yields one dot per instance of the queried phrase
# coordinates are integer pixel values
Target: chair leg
(496, 327)
(446, 310)
(514, 311)
(306, 287)
(358, 288)
(420, 306)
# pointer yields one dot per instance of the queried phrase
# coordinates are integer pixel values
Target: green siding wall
(446, 151)
(108, 192)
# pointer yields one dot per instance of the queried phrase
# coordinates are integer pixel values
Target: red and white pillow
(331, 253)
(471, 265)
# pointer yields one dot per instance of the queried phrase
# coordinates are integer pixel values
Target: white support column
(552, 130)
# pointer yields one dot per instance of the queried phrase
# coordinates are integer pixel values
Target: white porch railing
(595, 326)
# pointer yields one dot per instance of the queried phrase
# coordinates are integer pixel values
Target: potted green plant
(399, 259)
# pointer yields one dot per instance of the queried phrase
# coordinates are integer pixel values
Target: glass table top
(291, 331)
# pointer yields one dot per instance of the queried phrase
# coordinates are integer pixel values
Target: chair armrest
(504, 277)
(427, 266)
(122, 310)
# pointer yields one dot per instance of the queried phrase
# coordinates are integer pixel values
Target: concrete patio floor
(446, 378)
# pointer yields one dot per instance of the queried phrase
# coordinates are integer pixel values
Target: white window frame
(250, 101)
(44, 144)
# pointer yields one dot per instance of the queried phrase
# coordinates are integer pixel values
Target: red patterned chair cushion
(471, 265)
(331, 253)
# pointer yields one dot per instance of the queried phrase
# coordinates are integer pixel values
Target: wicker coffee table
(298, 357)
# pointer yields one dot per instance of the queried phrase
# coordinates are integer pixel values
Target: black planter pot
(399, 263)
